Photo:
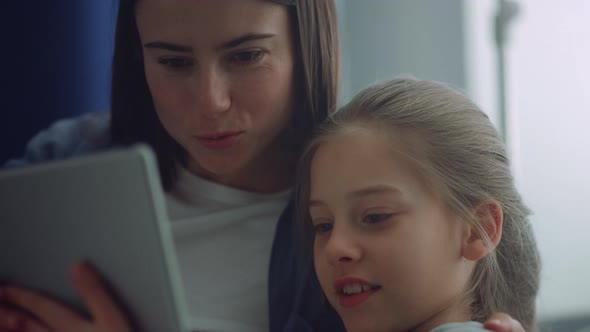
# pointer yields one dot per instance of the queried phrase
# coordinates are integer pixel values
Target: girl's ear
(489, 215)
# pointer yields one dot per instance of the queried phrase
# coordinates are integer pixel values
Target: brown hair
(467, 159)
(134, 119)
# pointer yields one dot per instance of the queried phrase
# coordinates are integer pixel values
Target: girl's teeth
(355, 289)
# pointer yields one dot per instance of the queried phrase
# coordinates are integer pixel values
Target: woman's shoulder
(460, 327)
(66, 138)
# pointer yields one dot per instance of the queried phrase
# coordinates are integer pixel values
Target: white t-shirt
(460, 327)
(223, 238)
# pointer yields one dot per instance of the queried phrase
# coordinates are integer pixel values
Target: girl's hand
(501, 322)
(42, 314)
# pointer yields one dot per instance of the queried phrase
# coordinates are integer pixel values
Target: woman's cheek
(170, 98)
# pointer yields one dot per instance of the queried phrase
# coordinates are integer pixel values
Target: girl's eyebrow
(226, 45)
(367, 191)
(376, 189)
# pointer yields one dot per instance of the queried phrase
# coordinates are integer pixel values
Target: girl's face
(221, 77)
(387, 251)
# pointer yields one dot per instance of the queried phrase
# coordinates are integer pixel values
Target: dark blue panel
(55, 60)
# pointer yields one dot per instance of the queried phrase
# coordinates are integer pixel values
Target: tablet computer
(107, 208)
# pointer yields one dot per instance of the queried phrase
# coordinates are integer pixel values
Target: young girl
(416, 221)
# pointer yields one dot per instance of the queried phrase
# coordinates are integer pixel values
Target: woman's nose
(212, 92)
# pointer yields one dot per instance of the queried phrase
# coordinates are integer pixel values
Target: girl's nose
(342, 247)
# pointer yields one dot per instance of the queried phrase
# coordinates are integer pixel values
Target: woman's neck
(271, 174)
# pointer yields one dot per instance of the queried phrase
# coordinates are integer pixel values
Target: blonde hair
(465, 156)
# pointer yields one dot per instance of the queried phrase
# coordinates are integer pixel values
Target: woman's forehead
(210, 18)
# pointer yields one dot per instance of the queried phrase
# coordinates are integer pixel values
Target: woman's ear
(490, 216)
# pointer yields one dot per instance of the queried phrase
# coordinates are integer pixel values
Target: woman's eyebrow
(168, 46)
(226, 45)
(315, 203)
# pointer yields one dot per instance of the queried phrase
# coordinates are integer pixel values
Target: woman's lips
(219, 140)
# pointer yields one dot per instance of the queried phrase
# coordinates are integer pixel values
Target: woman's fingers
(105, 312)
(501, 322)
(51, 313)
(47, 314)
(12, 320)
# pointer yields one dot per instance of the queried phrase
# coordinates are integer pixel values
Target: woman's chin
(213, 167)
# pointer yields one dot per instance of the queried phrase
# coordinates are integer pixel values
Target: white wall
(548, 63)
(550, 80)
(385, 38)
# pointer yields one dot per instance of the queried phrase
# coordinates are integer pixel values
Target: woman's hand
(38, 313)
(501, 322)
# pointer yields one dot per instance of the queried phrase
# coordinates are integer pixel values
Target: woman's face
(386, 250)
(221, 77)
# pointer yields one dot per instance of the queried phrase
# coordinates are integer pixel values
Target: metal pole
(507, 11)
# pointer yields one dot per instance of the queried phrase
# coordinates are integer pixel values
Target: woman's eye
(376, 218)
(176, 63)
(322, 228)
(247, 57)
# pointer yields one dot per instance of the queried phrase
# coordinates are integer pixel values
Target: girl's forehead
(376, 142)
(357, 157)
(358, 145)
(395, 139)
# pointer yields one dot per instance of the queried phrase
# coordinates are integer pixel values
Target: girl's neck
(456, 313)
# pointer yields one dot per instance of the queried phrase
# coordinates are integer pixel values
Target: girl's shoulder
(461, 327)
(67, 138)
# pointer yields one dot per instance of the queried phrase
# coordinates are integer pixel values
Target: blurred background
(55, 62)
(526, 63)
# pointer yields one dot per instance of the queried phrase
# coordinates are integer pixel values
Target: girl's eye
(176, 63)
(376, 218)
(247, 57)
(322, 228)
